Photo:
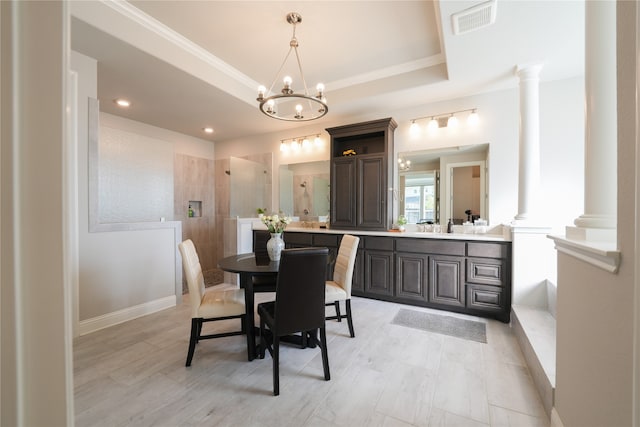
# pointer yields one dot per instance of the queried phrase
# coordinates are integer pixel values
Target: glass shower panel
(248, 182)
(286, 190)
(320, 196)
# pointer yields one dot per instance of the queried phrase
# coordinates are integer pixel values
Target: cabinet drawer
(485, 271)
(487, 298)
(379, 243)
(297, 238)
(329, 240)
(487, 250)
(428, 246)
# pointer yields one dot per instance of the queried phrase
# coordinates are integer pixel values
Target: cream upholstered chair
(339, 289)
(211, 305)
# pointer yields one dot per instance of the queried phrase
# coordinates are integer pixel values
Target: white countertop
(496, 234)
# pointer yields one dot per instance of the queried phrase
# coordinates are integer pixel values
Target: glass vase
(275, 245)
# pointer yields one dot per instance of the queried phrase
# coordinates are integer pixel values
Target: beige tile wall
(194, 181)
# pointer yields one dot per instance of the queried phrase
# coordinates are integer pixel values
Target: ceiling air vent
(474, 18)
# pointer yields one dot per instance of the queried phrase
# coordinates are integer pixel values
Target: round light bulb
(452, 122)
(433, 124)
(270, 104)
(298, 108)
(261, 90)
(287, 81)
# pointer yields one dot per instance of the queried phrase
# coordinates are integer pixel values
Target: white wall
(562, 137)
(135, 270)
(596, 313)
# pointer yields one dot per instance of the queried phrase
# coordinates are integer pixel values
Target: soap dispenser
(450, 226)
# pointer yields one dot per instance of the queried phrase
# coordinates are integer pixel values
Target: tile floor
(133, 374)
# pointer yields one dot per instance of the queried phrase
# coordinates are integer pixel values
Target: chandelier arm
(280, 69)
(304, 82)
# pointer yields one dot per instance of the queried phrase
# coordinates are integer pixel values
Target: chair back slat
(345, 262)
(193, 273)
(300, 290)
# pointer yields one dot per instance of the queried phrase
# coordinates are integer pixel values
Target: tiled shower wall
(194, 180)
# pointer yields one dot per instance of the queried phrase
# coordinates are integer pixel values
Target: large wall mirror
(304, 190)
(435, 185)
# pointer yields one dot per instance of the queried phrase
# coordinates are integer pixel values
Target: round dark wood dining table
(247, 266)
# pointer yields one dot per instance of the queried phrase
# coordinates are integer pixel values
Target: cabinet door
(343, 192)
(378, 273)
(372, 191)
(446, 285)
(357, 285)
(412, 276)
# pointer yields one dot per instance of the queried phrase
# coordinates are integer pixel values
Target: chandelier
(404, 165)
(288, 105)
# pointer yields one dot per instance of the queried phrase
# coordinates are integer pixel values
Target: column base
(590, 234)
(596, 221)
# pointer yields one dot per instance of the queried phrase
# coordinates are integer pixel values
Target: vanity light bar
(445, 120)
(299, 142)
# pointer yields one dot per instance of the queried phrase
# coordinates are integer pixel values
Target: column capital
(529, 71)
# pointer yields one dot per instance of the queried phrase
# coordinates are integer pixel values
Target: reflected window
(419, 203)
(420, 197)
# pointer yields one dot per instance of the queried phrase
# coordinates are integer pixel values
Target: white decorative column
(598, 222)
(528, 235)
(529, 145)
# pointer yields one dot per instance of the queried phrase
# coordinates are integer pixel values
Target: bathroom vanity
(464, 273)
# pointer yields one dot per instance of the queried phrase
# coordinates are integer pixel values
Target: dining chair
(339, 289)
(263, 282)
(209, 305)
(298, 307)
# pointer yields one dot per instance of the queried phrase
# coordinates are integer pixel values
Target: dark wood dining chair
(299, 306)
(209, 305)
(263, 282)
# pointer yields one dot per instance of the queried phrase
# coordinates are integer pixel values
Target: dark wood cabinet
(343, 193)
(378, 273)
(361, 172)
(357, 284)
(378, 265)
(412, 276)
(446, 284)
(470, 277)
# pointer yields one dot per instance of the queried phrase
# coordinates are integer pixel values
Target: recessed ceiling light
(208, 130)
(121, 102)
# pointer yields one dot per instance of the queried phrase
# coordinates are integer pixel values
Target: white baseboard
(120, 316)
(555, 418)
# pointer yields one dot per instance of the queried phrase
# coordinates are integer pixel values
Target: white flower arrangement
(276, 223)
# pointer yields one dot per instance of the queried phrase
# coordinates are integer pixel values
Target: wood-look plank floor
(133, 374)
